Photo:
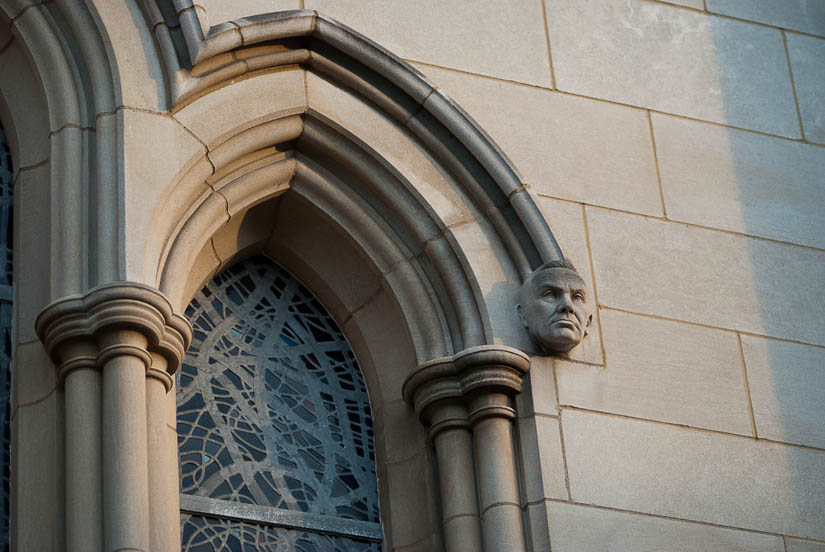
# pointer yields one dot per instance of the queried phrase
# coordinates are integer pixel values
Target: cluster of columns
(115, 348)
(466, 400)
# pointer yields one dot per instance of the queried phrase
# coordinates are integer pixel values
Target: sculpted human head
(553, 306)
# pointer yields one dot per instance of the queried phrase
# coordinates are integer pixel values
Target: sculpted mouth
(566, 323)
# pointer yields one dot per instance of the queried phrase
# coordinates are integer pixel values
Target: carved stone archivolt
(78, 330)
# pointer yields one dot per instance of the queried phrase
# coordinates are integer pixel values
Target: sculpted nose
(566, 303)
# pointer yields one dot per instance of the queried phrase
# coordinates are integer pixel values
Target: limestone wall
(677, 150)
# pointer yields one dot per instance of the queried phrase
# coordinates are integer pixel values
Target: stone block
(220, 11)
(243, 104)
(404, 435)
(478, 37)
(807, 16)
(139, 79)
(497, 279)
(157, 150)
(377, 330)
(698, 275)
(741, 181)
(566, 220)
(624, 532)
(37, 476)
(34, 375)
(28, 129)
(31, 239)
(694, 475)
(538, 534)
(543, 461)
(695, 4)
(787, 384)
(673, 60)
(538, 394)
(412, 512)
(661, 370)
(806, 55)
(803, 546)
(558, 142)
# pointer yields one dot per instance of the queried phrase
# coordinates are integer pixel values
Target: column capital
(482, 369)
(76, 330)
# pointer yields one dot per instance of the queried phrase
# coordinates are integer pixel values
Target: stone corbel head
(553, 306)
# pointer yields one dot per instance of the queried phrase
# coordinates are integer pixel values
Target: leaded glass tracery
(6, 206)
(272, 412)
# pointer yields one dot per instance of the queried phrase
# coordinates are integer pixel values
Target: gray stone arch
(419, 207)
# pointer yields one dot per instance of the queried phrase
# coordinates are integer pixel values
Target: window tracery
(274, 425)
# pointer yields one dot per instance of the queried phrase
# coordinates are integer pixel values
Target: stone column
(466, 401)
(116, 347)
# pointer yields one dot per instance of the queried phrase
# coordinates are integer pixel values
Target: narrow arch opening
(274, 423)
(6, 313)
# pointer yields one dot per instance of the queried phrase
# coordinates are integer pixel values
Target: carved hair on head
(557, 263)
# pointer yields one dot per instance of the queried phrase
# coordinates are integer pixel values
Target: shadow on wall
(771, 188)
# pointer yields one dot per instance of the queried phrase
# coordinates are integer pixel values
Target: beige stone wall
(676, 149)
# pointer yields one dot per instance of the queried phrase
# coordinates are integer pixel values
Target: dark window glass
(273, 415)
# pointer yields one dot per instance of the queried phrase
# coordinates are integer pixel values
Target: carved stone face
(554, 308)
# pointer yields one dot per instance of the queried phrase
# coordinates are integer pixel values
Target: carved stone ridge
(482, 369)
(74, 329)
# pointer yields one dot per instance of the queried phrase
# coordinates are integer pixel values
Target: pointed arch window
(274, 425)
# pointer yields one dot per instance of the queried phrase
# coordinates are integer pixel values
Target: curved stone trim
(325, 46)
(71, 326)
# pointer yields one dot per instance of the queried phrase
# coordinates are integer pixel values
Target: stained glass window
(274, 426)
(6, 204)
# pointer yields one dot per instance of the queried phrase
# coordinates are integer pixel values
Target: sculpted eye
(548, 293)
(578, 296)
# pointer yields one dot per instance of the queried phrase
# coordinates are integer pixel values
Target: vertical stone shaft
(84, 457)
(164, 518)
(491, 415)
(473, 389)
(125, 464)
(453, 443)
(117, 347)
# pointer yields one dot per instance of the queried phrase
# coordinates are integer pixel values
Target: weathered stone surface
(37, 476)
(543, 463)
(219, 11)
(673, 60)
(802, 546)
(806, 55)
(409, 483)
(801, 15)
(33, 374)
(619, 532)
(787, 384)
(694, 475)
(139, 66)
(559, 143)
(243, 104)
(742, 181)
(30, 122)
(664, 371)
(148, 172)
(392, 143)
(697, 275)
(479, 37)
(566, 220)
(696, 4)
(31, 239)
